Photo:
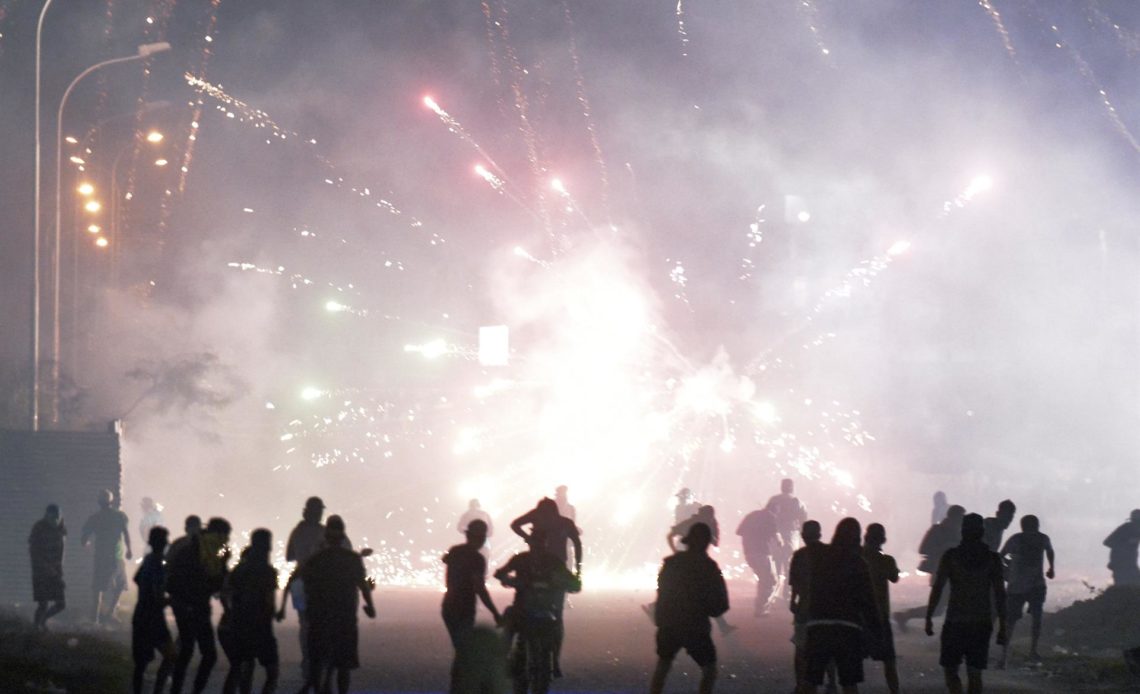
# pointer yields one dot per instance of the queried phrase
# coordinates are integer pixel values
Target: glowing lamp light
(93, 206)
(94, 229)
(803, 216)
(160, 162)
(71, 140)
(898, 248)
(85, 188)
(310, 393)
(76, 160)
(494, 345)
(101, 242)
(154, 136)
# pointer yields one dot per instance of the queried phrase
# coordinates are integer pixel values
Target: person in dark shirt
(799, 579)
(1026, 551)
(690, 590)
(996, 526)
(705, 514)
(758, 534)
(193, 527)
(842, 613)
(194, 574)
(1122, 544)
(939, 538)
(884, 571)
(45, 545)
(304, 541)
(149, 632)
(939, 508)
(109, 527)
(541, 581)
(974, 574)
(466, 572)
(790, 514)
(334, 580)
(249, 598)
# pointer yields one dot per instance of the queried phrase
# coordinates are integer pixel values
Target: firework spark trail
(500, 186)
(490, 24)
(810, 11)
(199, 103)
(999, 25)
(1128, 40)
(457, 128)
(587, 115)
(755, 237)
(572, 205)
(682, 34)
(1087, 72)
(235, 109)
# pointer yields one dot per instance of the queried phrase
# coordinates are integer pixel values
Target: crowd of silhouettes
(838, 592)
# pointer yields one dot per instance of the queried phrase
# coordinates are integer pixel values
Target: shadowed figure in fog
(45, 546)
(151, 516)
(480, 665)
(108, 526)
(841, 610)
(1026, 552)
(465, 577)
(565, 508)
(246, 631)
(334, 580)
(707, 515)
(939, 509)
(939, 538)
(757, 532)
(1122, 545)
(559, 531)
(149, 632)
(195, 572)
(790, 514)
(304, 541)
(475, 512)
(973, 573)
(884, 571)
(799, 579)
(687, 506)
(997, 524)
(690, 590)
(541, 581)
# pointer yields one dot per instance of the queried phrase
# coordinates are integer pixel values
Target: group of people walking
(838, 592)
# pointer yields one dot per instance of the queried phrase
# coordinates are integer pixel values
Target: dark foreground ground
(609, 648)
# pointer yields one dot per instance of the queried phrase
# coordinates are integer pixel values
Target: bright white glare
(628, 508)
(160, 162)
(429, 350)
(94, 229)
(311, 393)
(556, 184)
(101, 242)
(981, 182)
(467, 441)
(85, 188)
(76, 160)
(154, 136)
(335, 307)
(71, 140)
(430, 103)
(93, 206)
(766, 412)
(804, 216)
(728, 443)
(494, 345)
(899, 247)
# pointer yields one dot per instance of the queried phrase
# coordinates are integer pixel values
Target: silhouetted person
(937, 540)
(1027, 550)
(45, 545)
(306, 538)
(149, 632)
(799, 580)
(249, 596)
(334, 580)
(194, 574)
(790, 515)
(941, 506)
(705, 514)
(466, 575)
(480, 665)
(1122, 545)
(974, 574)
(884, 571)
(687, 505)
(565, 508)
(841, 610)
(108, 526)
(192, 527)
(541, 581)
(558, 531)
(151, 516)
(997, 524)
(690, 590)
(757, 532)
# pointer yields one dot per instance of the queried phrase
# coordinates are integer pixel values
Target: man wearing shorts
(1026, 551)
(974, 574)
(690, 590)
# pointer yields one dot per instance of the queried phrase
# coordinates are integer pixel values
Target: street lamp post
(144, 51)
(35, 395)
